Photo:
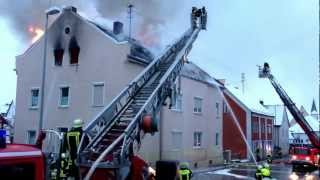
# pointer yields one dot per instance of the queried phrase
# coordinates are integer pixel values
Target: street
(247, 171)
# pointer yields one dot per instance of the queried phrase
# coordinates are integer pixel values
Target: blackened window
(74, 51)
(58, 56)
(64, 96)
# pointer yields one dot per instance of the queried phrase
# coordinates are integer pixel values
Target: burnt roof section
(137, 51)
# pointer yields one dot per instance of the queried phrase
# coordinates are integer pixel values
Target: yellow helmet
(77, 123)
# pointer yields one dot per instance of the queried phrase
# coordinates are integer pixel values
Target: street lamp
(50, 11)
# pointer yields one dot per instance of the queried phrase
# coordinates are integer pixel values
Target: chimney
(117, 27)
(71, 9)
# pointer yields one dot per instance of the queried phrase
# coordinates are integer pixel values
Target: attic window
(58, 56)
(67, 30)
(74, 51)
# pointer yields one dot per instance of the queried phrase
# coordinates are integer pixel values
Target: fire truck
(110, 141)
(301, 156)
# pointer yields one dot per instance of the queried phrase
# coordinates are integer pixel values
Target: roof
(194, 72)
(313, 122)
(251, 103)
(19, 150)
(279, 112)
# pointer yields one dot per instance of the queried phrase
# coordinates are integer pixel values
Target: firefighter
(269, 158)
(73, 140)
(258, 174)
(185, 172)
(265, 171)
(258, 154)
(194, 18)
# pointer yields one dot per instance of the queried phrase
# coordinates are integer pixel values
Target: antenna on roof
(130, 6)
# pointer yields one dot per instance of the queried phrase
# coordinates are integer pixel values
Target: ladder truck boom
(298, 116)
(109, 138)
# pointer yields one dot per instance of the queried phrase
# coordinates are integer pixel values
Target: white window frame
(194, 105)
(28, 136)
(197, 144)
(30, 103)
(103, 93)
(60, 96)
(181, 145)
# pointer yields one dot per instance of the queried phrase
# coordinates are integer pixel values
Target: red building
(254, 120)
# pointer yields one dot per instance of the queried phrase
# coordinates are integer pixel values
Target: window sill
(74, 64)
(63, 106)
(198, 113)
(97, 106)
(34, 108)
(197, 147)
(175, 150)
(177, 110)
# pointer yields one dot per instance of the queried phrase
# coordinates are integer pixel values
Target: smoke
(151, 19)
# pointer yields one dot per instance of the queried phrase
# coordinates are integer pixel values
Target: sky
(241, 34)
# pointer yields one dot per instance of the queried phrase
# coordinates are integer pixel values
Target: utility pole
(130, 6)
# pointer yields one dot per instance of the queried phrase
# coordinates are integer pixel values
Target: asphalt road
(279, 171)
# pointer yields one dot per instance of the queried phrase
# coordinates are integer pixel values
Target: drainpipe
(161, 133)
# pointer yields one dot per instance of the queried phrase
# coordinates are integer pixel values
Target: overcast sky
(241, 34)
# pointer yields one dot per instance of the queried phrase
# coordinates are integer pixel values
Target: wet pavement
(247, 171)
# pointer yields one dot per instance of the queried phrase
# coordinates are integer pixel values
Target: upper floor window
(58, 56)
(197, 139)
(197, 105)
(217, 139)
(64, 96)
(34, 98)
(225, 107)
(217, 109)
(74, 51)
(98, 90)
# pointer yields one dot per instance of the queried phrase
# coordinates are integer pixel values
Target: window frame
(197, 144)
(194, 105)
(28, 136)
(217, 139)
(217, 109)
(60, 96)
(103, 94)
(30, 103)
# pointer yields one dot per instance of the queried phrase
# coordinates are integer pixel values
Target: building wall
(185, 122)
(101, 59)
(232, 139)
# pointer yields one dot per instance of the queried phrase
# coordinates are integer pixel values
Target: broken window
(58, 56)
(74, 51)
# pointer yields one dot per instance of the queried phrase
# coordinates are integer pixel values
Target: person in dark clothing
(73, 140)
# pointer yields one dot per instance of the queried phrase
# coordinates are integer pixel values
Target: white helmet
(77, 123)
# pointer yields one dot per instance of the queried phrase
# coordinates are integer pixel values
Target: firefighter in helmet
(185, 172)
(73, 139)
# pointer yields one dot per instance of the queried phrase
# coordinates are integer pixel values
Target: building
(297, 133)
(88, 65)
(254, 120)
(280, 132)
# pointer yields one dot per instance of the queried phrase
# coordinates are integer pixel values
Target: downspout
(161, 132)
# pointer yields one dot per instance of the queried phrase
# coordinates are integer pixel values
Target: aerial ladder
(265, 72)
(109, 139)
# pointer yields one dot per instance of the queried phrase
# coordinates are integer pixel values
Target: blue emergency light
(3, 134)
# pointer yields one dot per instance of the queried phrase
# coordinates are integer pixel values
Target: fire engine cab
(304, 156)
(21, 161)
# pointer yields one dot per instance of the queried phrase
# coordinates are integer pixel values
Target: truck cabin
(21, 161)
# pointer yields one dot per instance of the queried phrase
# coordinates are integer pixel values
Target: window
(58, 56)
(225, 107)
(74, 51)
(197, 139)
(197, 105)
(64, 96)
(217, 139)
(217, 109)
(176, 140)
(34, 97)
(178, 102)
(98, 94)
(31, 137)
